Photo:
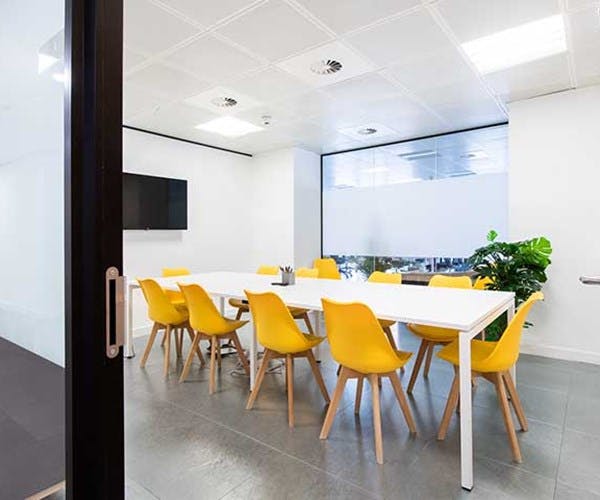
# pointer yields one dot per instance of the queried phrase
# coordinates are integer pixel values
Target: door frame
(93, 242)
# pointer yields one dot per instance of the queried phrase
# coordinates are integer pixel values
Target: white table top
(459, 309)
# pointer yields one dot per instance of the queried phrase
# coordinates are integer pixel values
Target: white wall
(554, 191)
(307, 207)
(272, 208)
(219, 231)
(445, 217)
(286, 207)
(31, 182)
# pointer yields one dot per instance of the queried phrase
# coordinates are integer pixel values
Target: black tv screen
(154, 202)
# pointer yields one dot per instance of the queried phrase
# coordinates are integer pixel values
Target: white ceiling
(403, 68)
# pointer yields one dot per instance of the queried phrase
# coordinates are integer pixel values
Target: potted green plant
(518, 266)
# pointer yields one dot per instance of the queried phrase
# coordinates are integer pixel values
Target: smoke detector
(367, 131)
(326, 67)
(224, 102)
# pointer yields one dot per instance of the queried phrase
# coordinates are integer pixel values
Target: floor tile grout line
(562, 436)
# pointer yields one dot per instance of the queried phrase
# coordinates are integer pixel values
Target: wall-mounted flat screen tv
(154, 202)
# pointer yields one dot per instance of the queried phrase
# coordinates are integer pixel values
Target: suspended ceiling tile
(213, 60)
(223, 100)
(346, 15)
(271, 85)
(150, 29)
(363, 88)
(131, 59)
(403, 40)
(274, 30)
(169, 82)
(208, 12)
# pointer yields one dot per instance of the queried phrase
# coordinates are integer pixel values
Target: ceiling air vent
(224, 102)
(326, 67)
(366, 131)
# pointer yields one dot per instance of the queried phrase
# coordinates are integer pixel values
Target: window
(421, 205)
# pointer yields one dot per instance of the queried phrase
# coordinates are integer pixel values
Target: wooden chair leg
(317, 373)
(155, 328)
(390, 337)
(241, 354)
(167, 351)
(218, 348)
(450, 405)
(190, 357)
(508, 422)
(403, 402)
(308, 323)
(197, 349)
(417, 367)
(333, 406)
(164, 339)
(259, 379)
(428, 359)
(289, 371)
(357, 399)
(179, 341)
(373, 379)
(515, 400)
(238, 315)
(213, 360)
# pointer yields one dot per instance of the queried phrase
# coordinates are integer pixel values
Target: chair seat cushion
(384, 364)
(480, 351)
(433, 333)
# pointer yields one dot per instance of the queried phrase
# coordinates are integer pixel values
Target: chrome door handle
(115, 312)
(590, 280)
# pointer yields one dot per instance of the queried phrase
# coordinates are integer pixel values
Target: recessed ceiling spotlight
(326, 67)
(224, 102)
(367, 131)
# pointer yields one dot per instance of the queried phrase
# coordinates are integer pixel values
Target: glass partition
(421, 205)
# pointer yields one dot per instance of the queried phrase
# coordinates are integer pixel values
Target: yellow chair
(278, 333)
(165, 316)
(389, 278)
(493, 361)
(359, 345)
(327, 269)
(432, 335)
(208, 324)
(296, 312)
(241, 305)
(307, 272)
(176, 299)
(482, 282)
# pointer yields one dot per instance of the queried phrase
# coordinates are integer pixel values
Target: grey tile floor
(31, 422)
(182, 443)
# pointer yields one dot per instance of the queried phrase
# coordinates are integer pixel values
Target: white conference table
(468, 311)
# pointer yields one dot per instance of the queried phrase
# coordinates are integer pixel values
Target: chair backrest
(444, 281)
(275, 327)
(160, 308)
(327, 269)
(506, 352)
(356, 339)
(270, 270)
(482, 282)
(307, 272)
(204, 315)
(381, 277)
(169, 272)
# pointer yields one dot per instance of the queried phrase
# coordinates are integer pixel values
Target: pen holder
(288, 278)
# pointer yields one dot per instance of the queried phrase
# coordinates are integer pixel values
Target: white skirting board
(558, 352)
